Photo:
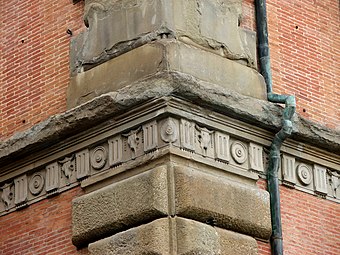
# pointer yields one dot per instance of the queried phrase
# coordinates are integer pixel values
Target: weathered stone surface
(164, 56)
(250, 110)
(231, 205)
(220, 71)
(114, 208)
(152, 238)
(234, 243)
(175, 236)
(115, 74)
(117, 26)
(198, 238)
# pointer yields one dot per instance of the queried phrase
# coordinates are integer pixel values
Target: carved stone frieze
(288, 170)
(205, 140)
(115, 150)
(20, 191)
(133, 141)
(239, 152)
(169, 131)
(334, 183)
(222, 147)
(98, 157)
(52, 178)
(67, 166)
(187, 134)
(256, 157)
(320, 180)
(83, 164)
(150, 136)
(312, 178)
(7, 195)
(197, 139)
(36, 183)
(305, 174)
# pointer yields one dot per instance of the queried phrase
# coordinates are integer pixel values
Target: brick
(42, 62)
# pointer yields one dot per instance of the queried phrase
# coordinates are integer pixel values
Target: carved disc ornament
(239, 152)
(169, 132)
(98, 157)
(304, 174)
(36, 183)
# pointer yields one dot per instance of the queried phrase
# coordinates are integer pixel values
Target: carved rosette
(169, 132)
(36, 183)
(186, 138)
(239, 152)
(98, 158)
(305, 174)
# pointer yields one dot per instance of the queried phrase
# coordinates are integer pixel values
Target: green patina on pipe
(274, 154)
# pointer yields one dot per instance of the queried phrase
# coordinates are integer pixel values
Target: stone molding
(253, 111)
(164, 56)
(101, 109)
(172, 188)
(175, 236)
(152, 130)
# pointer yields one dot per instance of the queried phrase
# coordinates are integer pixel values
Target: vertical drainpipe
(288, 112)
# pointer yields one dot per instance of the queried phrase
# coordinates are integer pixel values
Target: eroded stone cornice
(261, 113)
(161, 126)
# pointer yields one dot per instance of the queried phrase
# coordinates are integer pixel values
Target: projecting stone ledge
(164, 56)
(250, 110)
(231, 205)
(167, 191)
(175, 236)
(114, 208)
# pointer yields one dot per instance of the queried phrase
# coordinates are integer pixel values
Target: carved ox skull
(204, 138)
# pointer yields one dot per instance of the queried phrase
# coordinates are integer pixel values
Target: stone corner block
(198, 238)
(120, 206)
(151, 238)
(175, 236)
(227, 204)
(162, 57)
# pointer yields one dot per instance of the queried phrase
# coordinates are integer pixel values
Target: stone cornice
(161, 126)
(261, 113)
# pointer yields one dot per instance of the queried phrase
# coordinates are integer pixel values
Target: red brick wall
(305, 51)
(42, 228)
(34, 76)
(34, 60)
(310, 224)
(34, 49)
